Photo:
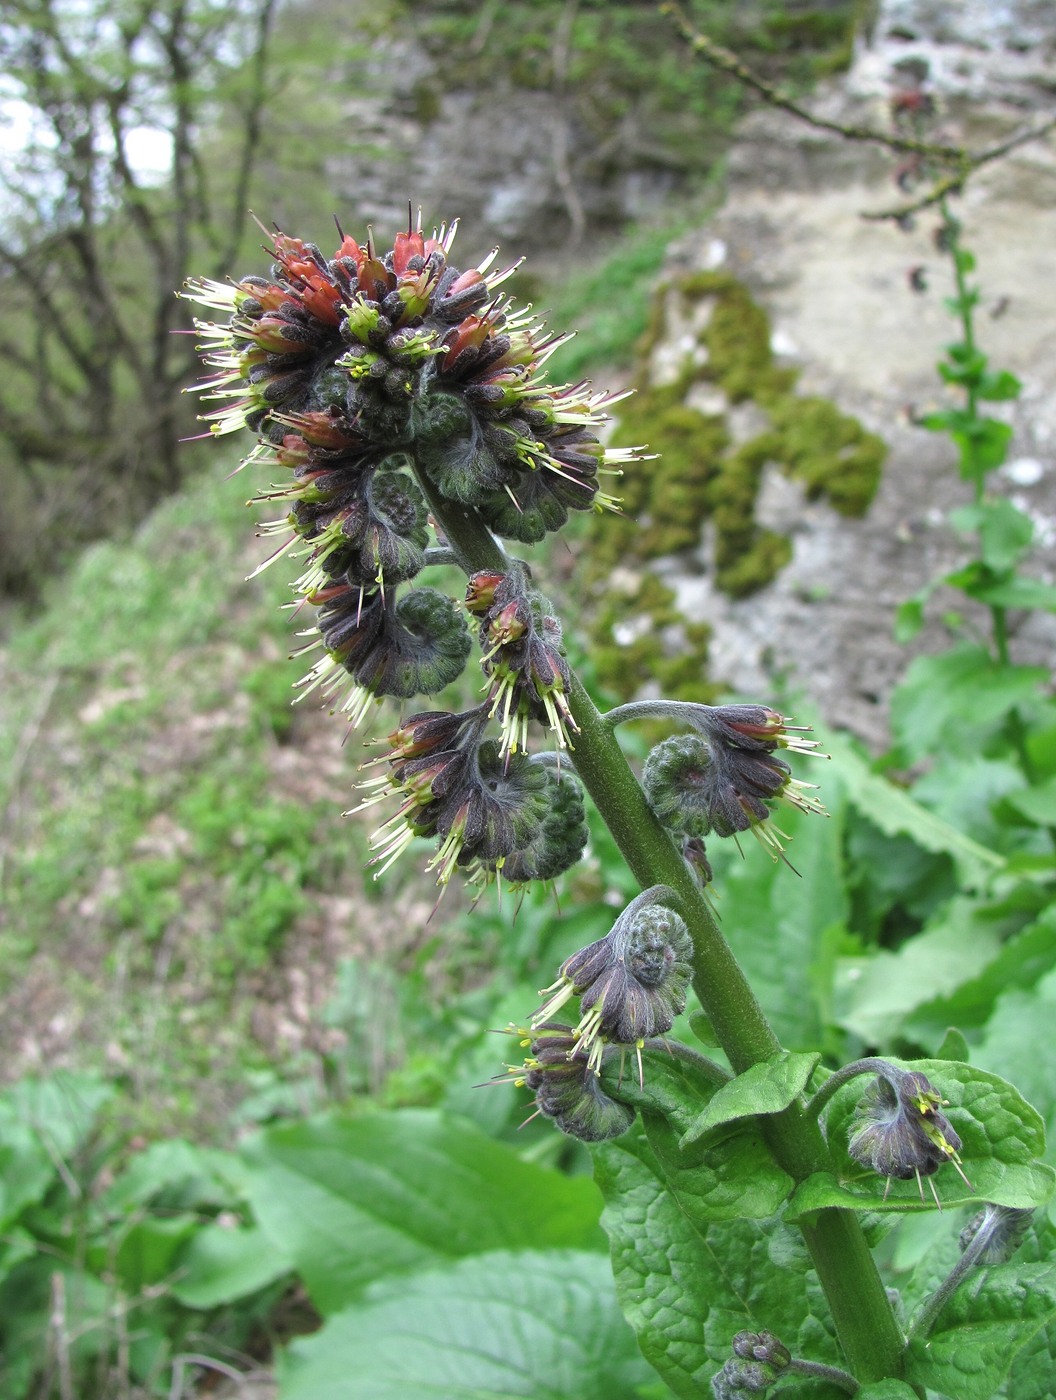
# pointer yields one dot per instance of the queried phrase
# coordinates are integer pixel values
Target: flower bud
(1004, 1228)
(899, 1131)
(568, 1091)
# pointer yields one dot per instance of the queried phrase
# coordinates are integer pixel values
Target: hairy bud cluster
(567, 1089)
(523, 659)
(488, 810)
(722, 777)
(631, 984)
(386, 385)
(899, 1129)
(758, 1359)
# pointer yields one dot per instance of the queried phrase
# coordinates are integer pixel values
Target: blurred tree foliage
(106, 203)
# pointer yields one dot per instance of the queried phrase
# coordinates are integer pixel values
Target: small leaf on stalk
(765, 1088)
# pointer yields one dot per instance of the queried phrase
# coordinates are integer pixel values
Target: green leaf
(1033, 1367)
(1016, 1040)
(947, 420)
(1024, 593)
(954, 700)
(909, 619)
(998, 385)
(352, 1199)
(1002, 1136)
(1005, 534)
(764, 1088)
(979, 1331)
(1037, 804)
(886, 1390)
(544, 1325)
(177, 1174)
(43, 1122)
(222, 1264)
(676, 1081)
(727, 1175)
(147, 1251)
(954, 1046)
(687, 1287)
(1024, 956)
(875, 994)
(896, 812)
(984, 444)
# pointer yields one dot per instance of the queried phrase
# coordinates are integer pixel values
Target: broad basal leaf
(349, 1200)
(544, 1325)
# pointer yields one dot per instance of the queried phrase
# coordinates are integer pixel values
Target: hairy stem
(870, 1336)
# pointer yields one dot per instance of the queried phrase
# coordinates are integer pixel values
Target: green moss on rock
(662, 644)
(701, 476)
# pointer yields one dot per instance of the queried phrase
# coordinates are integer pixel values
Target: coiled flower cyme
(722, 777)
(631, 984)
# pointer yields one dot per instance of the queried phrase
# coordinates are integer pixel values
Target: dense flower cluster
(492, 812)
(387, 386)
(722, 776)
(566, 1088)
(900, 1131)
(521, 641)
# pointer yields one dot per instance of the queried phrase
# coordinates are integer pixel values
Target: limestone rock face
(836, 287)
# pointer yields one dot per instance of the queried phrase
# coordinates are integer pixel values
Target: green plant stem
(964, 302)
(832, 1374)
(870, 1336)
(921, 1326)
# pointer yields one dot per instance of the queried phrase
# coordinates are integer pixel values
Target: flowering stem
(870, 1336)
(832, 1374)
(920, 1327)
(870, 1065)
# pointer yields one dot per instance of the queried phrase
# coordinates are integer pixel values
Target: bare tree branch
(960, 161)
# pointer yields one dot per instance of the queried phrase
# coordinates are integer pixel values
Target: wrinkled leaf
(544, 1325)
(687, 1287)
(729, 1173)
(979, 1331)
(765, 1088)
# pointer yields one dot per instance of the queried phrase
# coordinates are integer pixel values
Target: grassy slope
(178, 883)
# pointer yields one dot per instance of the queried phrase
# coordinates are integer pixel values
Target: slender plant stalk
(866, 1326)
